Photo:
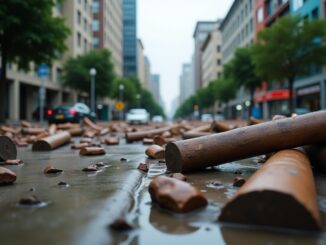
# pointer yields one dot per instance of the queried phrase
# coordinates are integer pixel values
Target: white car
(137, 116)
(157, 119)
(207, 117)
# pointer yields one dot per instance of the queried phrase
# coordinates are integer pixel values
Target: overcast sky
(166, 28)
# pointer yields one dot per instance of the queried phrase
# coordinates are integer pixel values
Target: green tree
(288, 48)
(76, 72)
(28, 33)
(129, 91)
(148, 103)
(225, 90)
(241, 69)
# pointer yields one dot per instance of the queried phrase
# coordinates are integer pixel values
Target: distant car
(72, 113)
(157, 119)
(219, 117)
(206, 117)
(36, 113)
(137, 116)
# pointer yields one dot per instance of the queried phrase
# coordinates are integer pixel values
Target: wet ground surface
(79, 213)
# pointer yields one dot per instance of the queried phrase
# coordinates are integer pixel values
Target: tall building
(107, 29)
(154, 87)
(212, 56)
(23, 87)
(310, 90)
(147, 71)
(237, 28)
(140, 62)
(203, 28)
(186, 86)
(129, 38)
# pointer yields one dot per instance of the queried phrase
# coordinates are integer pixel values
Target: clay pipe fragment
(135, 136)
(219, 127)
(192, 134)
(176, 195)
(33, 131)
(7, 176)
(254, 121)
(199, 153)
(8, 149)
(92, 151)
(280, 194)
(52, 142)
(76, 131)
(92, 125)
(155, 152)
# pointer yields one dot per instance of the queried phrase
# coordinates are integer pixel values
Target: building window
(78, 39)
(218, 74)
(297, 4)
(85, 44)
(96, 42)
(218, 48)
(96, 25)
(85, 5)
(219, 62)
(260, 15)
(96, 7)
(314, 14)
(78, 17)
(85, 25)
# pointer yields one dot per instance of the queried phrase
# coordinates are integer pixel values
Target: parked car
(207, 117)
(137, 116)
(73, 113)
(157, 118)
(36, 113)
(219, 117)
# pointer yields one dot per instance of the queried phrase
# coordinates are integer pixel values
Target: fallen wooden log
(280, 194)
(198, 153)
(8, 150)
(135, 136)
(176, 195)
(52, 142)
(33, 131)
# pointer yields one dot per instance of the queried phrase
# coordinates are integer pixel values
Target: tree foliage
(129, 91)
(28, 33)
(221, 90)
(241, 69)
(76, 72)
(288, 48)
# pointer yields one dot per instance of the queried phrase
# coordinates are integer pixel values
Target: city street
(80, 212)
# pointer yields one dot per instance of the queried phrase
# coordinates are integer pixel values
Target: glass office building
(129, 38)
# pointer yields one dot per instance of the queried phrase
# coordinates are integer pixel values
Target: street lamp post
(92, 73)
(121, 88)
(138, 96)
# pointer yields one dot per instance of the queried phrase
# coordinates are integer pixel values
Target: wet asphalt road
(80, 212)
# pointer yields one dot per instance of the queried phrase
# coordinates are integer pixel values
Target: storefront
(309, 97)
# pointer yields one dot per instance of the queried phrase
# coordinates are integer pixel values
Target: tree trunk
(3, 83)
(291, 102)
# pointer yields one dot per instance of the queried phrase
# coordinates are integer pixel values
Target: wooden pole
(280, 194)
(198, 153)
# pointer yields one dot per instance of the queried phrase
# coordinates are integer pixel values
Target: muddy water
(80, 213)
(68, 210)
(200, 227)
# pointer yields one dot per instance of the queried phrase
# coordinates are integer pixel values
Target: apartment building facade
(202, 30)
(154, 87)
(212, 56)
(237, 29)
(107, 30)
(310, 90)
(185, 82)
(24, 87)
(129, 11)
